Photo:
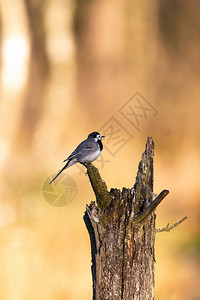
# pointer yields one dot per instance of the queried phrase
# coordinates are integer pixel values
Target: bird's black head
(96, 135)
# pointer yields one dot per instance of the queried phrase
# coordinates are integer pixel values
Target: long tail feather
(59, 173)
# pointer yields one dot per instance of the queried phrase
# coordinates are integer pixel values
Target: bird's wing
(72, 155)
(85, 146)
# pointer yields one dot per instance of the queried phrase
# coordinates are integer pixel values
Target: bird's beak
(102, 136)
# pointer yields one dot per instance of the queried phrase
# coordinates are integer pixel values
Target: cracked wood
(123, 247)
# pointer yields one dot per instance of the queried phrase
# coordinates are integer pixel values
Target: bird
(87, 151)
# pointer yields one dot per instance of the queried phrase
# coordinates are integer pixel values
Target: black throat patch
(100, 145)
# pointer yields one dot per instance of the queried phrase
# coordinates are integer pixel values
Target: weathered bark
(122, 232)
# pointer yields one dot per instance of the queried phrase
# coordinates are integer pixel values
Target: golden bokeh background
(67, 69)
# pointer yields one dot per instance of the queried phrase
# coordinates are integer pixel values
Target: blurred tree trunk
(98, 47)
(122, 233)
(39, 68)
(115, 44)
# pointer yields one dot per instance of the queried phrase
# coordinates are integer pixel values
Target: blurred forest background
(68, 68)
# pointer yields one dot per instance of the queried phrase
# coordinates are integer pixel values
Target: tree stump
(121, 225)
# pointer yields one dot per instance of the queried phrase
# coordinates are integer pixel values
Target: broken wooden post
(121, 225)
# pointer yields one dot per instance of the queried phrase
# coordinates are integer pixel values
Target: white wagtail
(88, 150)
